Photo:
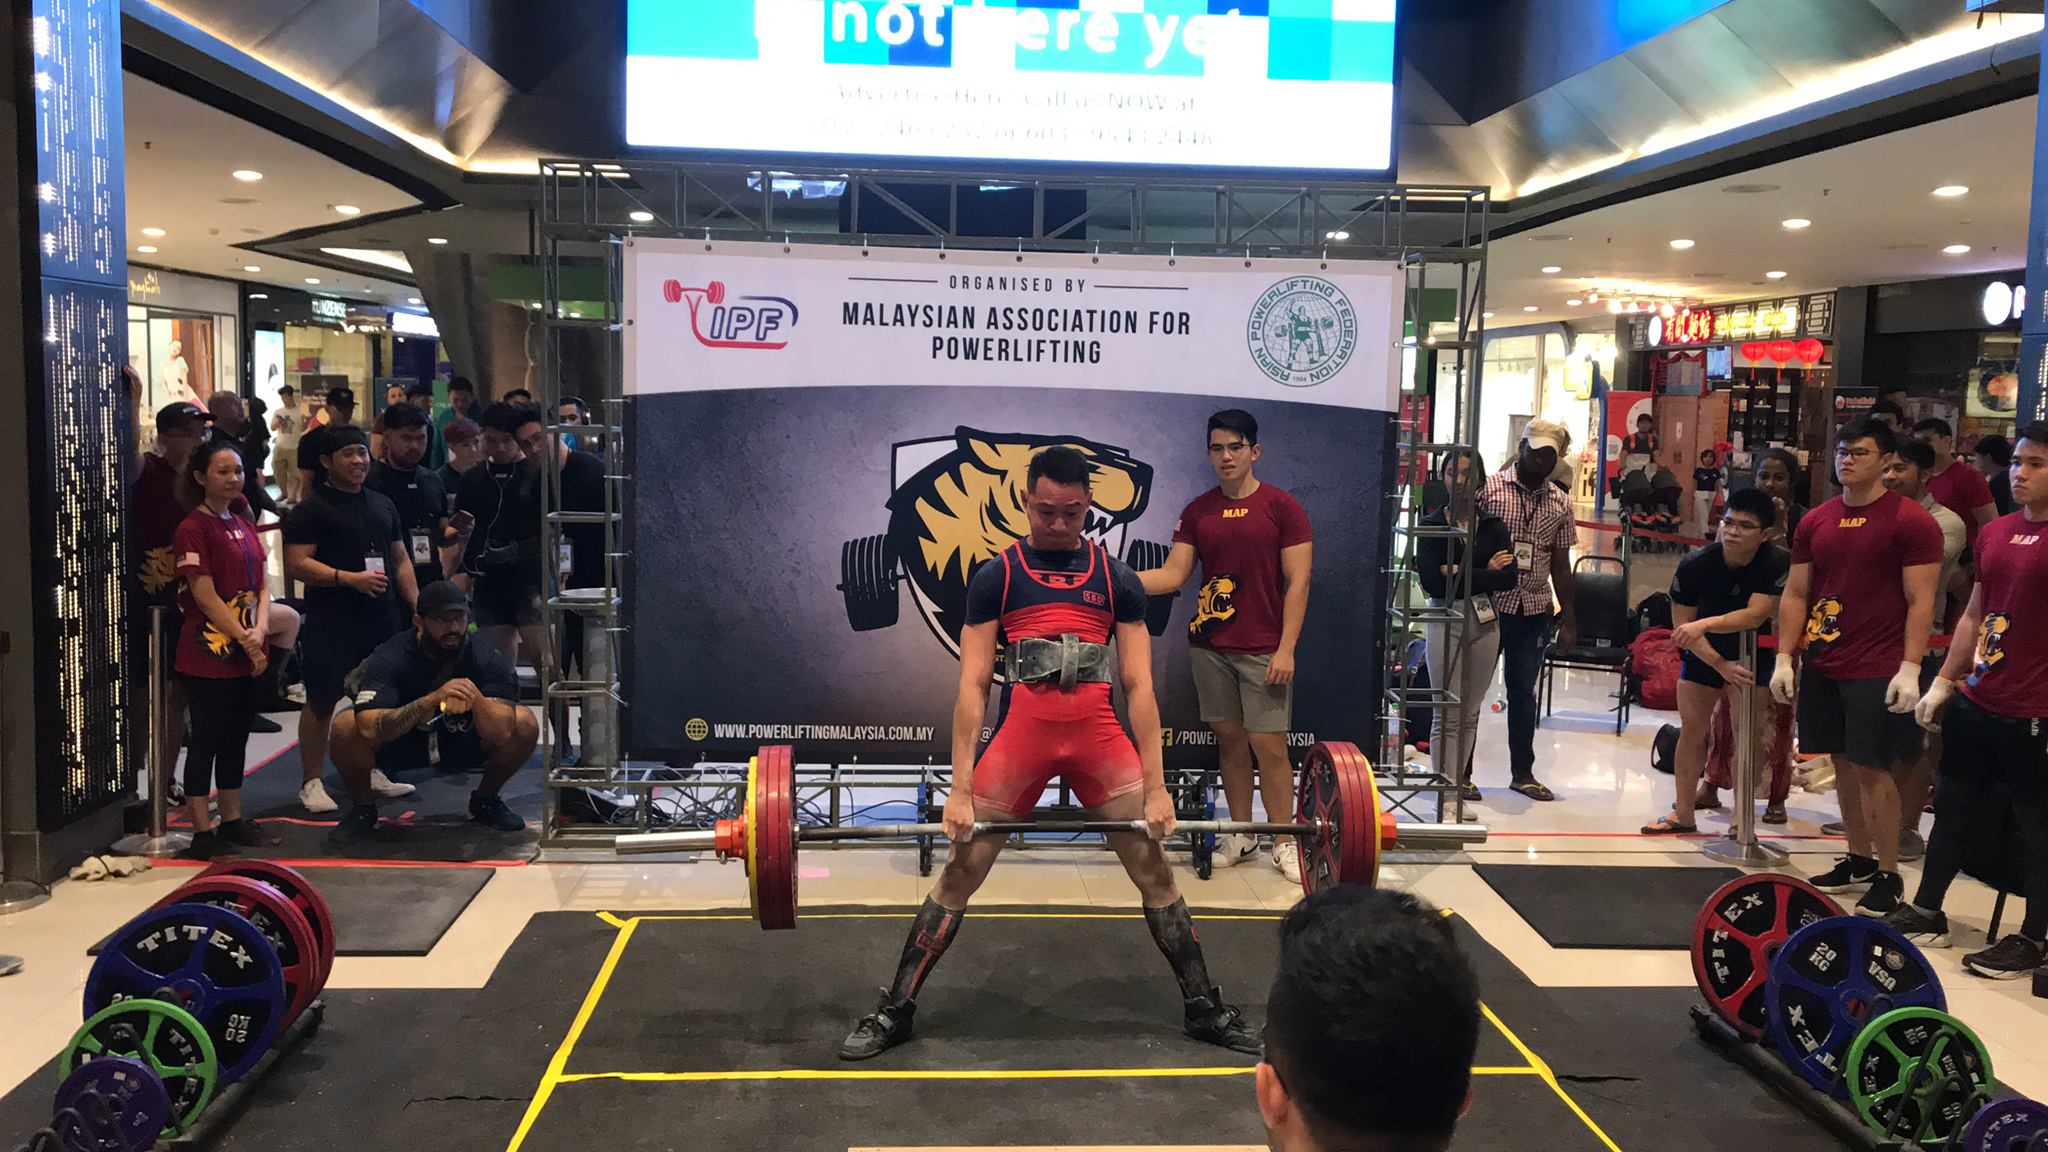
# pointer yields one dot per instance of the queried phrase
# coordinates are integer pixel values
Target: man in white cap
(1539, 515)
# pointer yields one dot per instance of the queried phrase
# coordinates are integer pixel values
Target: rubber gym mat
(394, 911)
(1605, 906)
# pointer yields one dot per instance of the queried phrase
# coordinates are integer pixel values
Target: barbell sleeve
(1420, 836)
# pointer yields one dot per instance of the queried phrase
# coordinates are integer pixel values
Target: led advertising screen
(1292, 85)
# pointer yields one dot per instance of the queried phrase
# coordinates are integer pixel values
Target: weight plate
(165, 1038)
(2014, 1124)
(131, 1092)
(1830, 978)
(1738, 930)
(1919, 1075)
(298, 890)
(210, 960)
(277, 918)
(1337, 794)
(775, 831)
(751, 861)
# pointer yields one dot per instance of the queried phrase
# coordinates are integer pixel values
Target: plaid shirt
(1541, 519)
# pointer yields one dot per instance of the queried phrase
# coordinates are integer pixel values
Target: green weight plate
(1918, 1074)
(161, 1035)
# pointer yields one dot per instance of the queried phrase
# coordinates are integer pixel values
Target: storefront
(1555, 371)
(315, 343)
(1945, 348)
(1734, 379)
(183, 337)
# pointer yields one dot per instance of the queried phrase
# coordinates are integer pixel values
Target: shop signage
(1789, 318)
(149, 285)
(1779, 319)
(2004, 303)
(328, 308)
(415, 324)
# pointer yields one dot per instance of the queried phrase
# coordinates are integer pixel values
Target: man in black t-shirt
(346, 544)
(433, 695)
(580, 489)
(416, 490)
(501, 562)
(339, 413)
(1721, 590)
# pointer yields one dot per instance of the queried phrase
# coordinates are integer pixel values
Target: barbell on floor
(1338, 819)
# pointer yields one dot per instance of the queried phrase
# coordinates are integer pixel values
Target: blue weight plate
(135, 1098)
(1830, 979)
(2016, 1124)
(211, 961)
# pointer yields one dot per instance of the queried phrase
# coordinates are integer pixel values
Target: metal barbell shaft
(1425, 836)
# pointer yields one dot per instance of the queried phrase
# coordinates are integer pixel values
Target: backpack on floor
(1664, 750)
(1653, 612)
(1655, 661)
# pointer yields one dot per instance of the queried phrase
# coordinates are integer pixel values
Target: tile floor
(1606, 787)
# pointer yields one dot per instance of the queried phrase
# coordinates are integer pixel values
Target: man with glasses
(1861, 596)
(1254, 544)
(1722, 590)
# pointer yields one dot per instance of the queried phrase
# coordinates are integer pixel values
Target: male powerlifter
(1054, 601)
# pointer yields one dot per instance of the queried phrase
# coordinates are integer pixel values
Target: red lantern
(1809, 351)
(1780, 350)
(1752, 350)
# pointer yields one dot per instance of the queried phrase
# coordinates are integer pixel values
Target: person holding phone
(1461, 655)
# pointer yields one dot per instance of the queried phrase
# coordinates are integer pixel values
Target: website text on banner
(828, 445)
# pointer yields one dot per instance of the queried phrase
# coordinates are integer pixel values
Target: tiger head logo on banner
(961, 505)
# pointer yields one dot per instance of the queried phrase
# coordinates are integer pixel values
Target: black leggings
(1981, 752)
(222, 711)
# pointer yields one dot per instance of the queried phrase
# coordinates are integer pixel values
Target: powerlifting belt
(1068, 660)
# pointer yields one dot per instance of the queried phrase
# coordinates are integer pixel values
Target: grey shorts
(1231, 688)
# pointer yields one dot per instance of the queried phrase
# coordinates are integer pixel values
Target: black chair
(1604, 634)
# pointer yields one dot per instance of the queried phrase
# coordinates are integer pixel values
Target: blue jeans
(1521, 646)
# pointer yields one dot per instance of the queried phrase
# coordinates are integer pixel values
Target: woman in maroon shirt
(221, 650)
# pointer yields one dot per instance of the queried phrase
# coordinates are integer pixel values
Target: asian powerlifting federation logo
(760, 323)
(1302, 331)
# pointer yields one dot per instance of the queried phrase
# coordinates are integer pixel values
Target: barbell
(1338, 819)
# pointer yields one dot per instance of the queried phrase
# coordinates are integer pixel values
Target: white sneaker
(1287, 861)
(314, 798)
(386, 787)
(1234, 849)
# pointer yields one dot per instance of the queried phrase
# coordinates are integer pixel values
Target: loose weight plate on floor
(2015, 1124)
(1917, 1074)
(163, 1036)
(278, 919)
(1832, 977)
(1740, 928)
(297, 889)
(130, 1090)
(210, 960)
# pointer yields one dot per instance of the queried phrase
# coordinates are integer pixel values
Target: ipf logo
(752, 322)
(1303, 331)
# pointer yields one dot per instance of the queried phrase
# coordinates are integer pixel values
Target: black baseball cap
(442, 599)
(341, 398)
(173, 416)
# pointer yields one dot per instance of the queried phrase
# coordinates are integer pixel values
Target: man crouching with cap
(432, 696)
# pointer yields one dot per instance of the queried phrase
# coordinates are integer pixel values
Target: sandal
(1708, 800)
(1470, 792)
(1666, 826)
(1533, 789)
(1774, 814)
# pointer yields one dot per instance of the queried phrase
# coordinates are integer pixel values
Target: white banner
(734, 316)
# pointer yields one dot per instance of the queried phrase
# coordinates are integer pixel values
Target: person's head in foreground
(1370, 1028)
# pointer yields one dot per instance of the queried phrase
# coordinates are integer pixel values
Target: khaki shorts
(1231, 688)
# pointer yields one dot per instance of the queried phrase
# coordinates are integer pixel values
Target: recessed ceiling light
(146, 248)
(437, 239)
(312, 279)
(1340, 236)
(247, 175)
(1551, 269)
(412, 299)
(1774, 275)
(1952, 190)
(1681, 245)
(641, 217)
(1796, 223)
(1486, 315)
(347, 209)
(1528, 307)
(1574, 302)
(259, 295)
(152, 231)
(251, 268)
(1956, 249)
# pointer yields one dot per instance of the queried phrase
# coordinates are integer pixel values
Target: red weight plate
(277, 918)
(299, 891)
(1738, 930)
(1361, 823)
(775, 833)
(1337, 793)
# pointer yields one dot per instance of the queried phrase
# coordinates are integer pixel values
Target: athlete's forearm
(1144, 710)
(967, 714)
(391, 723)
(1292, 610)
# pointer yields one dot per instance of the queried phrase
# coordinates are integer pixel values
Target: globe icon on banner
(1302, 331)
